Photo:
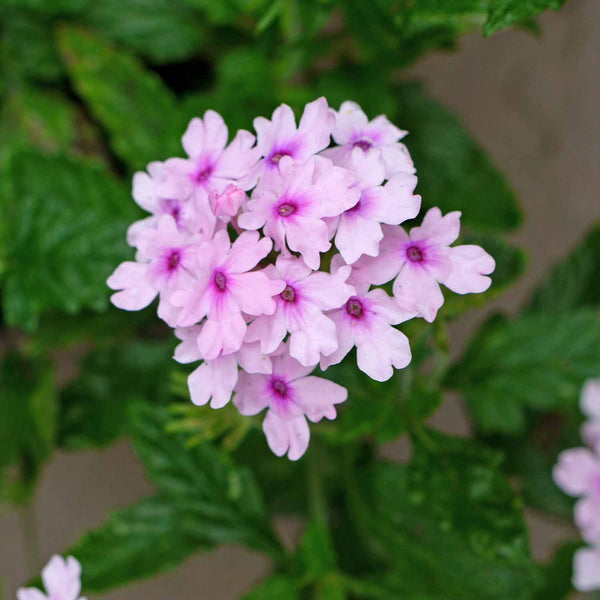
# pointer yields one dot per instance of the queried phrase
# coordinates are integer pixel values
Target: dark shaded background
(533, 105)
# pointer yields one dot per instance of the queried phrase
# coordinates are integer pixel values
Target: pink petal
(252, 359)
(289, 436)
(398, 204)
(251, 393)
(438, 229)
(469, 265)
(586, 518)
(397, 160)
(62, 578)
(144, 192)
(214, 380)
(377, 354)
(307, 345)
(187, 351)
(590, 432)
(345, 336)
(247, 251)
(289, 368)
(309, 238)
(590, 398)
(269, 330)
(357, 236)
(132, 279)
(328, 291)
(417, 292)
(30, 594)
(317, 397)
(318, 121)
(223, 332)
(386, 308)
(254, 292)
(349, 119)
(586, 569)
(576, 471)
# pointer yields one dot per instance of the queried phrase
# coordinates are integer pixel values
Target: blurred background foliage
(93, 90)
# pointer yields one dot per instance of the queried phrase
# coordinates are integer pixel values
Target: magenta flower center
(364, 145)
(279, 386)
(275, 158)
(414, 254)
(202, 175)
(354, 308)
(220, 280)
(289, 294)
(286, 209)
(174, 260)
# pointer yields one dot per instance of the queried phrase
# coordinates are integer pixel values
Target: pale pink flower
(293, 205)
(590, 406)
(586, 569)
(228, 203)
(358, 229)
(577, 473)
(145, 193)
(225, 288)
(215, 380)
(365, 321)
(299, 311)
(211, 166)
(424, 259)
(61, 579)
(171, 261)
(354, 130)
(291, 396)
(280, 137)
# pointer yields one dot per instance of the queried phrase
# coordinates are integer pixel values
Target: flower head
(61, 579)
(291, 396)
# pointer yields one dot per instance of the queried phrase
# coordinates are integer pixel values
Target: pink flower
(227, 203)
(215, 380)
(62, 581)
(359, 230)
(577, 473)
(586, 569)
(291, 397)
(299, 311)
(365, 321)
(211, 166)
(145, 186)
(424, 259)
(224, 289)
(171, 257)
(294, 203)
(279, 137)
(354, 130)
(590, 405)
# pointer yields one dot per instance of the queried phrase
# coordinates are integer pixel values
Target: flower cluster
(578, 474)
(61, 579)
(264, 253)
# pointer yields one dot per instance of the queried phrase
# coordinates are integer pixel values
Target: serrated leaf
(138, 111)
(276, 587)
(573, 282)
(203, 500)
(151, 536)
(221, 495)
(503, 13)
(95, 405)
(454, 172)
(67, 221)
(27, 423)
(538, 361)
(160, 30)
(432, 522)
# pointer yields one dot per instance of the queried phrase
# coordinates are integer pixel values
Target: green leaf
(276, 587)
(95, 405)
(574, 282)
(454, 172)
(503, 13)
(558, 574)
(137, 542)
(203, 500)
(160, 30)
(537, 361)
(222, 496)
(27, 423)
(138, 111)
(449, 523)
(67, 222)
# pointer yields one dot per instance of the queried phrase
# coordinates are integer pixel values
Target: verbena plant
(94, 91)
